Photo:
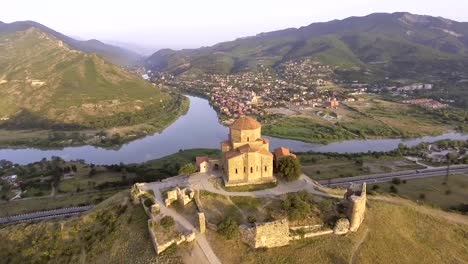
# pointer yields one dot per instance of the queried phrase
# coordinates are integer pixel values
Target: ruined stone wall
(356, 198)
(267, 235)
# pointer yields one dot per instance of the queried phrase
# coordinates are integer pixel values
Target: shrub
(375, 187)
(422, 196)
(448, 192)
(148, 202)
(396, 181)
(187, 169)
(228, 228)
(297, 206)
(167, 222)
(393, 189)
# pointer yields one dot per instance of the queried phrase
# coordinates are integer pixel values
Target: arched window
(236, 171)
(265, 168)
(251, 169)
(245, 170)
(248, 139)
(257, 167)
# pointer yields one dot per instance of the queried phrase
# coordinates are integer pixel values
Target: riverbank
(107, 137)
(373, 118)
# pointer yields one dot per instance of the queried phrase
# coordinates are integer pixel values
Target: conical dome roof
(245, 123)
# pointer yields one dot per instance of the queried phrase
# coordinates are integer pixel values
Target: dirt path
(452, 217)
(358, 246)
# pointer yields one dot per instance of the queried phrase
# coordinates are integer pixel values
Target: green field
(372, 118)
(322, 167)
(434, 191)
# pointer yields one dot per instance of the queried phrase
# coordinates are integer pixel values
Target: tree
(187, 169)
(229, 228)
(289, 168)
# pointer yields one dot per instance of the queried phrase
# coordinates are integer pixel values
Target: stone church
(246, 158)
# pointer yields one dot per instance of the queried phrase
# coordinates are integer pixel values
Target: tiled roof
(200, 160)
(245, 123)
(247, 148)
(283, 152)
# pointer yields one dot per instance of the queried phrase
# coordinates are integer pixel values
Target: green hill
(394, 231)
(112, 53)
(398, 44)
(44, 83)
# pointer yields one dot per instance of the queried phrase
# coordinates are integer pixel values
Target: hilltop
(46, 84)
(112, 53)
(376, 46)
(116, 230)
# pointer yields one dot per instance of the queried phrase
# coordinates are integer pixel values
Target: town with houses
(293, 85)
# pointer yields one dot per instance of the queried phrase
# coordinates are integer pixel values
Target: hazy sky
(194, 23)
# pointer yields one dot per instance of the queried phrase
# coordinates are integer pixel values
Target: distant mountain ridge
(381, 42)
(112, 53)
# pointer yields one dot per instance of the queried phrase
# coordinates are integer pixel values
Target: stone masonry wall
(266, 235)
(356, 198)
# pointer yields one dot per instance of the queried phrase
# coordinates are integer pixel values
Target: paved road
(403, 175)
(42, 215)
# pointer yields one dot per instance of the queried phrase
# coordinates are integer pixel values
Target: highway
(42, 215)
(403, 175)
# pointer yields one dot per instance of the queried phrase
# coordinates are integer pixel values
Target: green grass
(245, 202)
(250, 188)
(323, 167)
(48, 203)
(307, 130)
(434, 190)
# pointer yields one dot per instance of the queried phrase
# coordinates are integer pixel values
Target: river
(198, 128)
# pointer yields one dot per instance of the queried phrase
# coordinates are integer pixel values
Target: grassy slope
(109, 234)
(391, 233)
(77, 86)
(434, 190)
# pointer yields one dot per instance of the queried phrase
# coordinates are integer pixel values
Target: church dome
(245, 123)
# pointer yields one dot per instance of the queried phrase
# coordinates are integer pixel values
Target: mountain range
(112, 53)
(396, 45)
(48, 80)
